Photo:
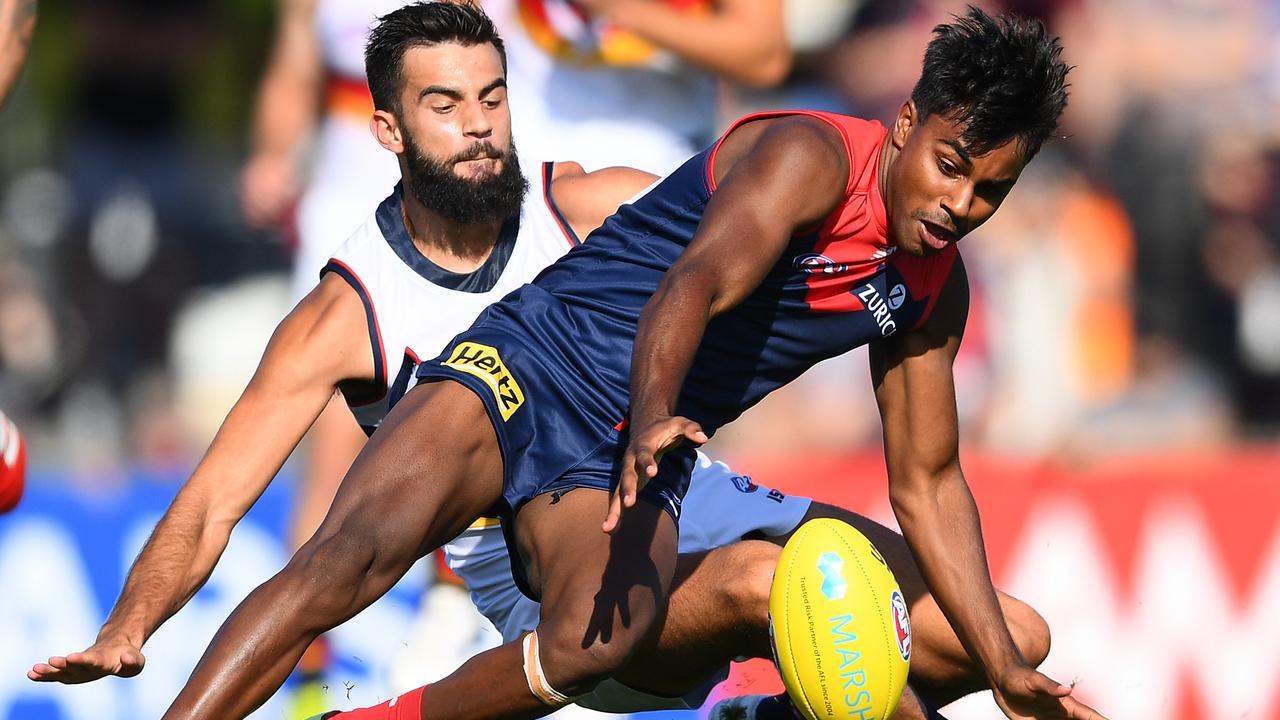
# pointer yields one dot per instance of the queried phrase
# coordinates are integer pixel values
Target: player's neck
(456, 247)
(888, 153)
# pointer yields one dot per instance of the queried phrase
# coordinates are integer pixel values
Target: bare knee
(575, 667)
(746, 576)
(1030, 631)
(330, 573)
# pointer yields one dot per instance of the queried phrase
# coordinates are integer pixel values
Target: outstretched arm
(285, 113)
(322, 343)
(915, 390)
(17, 23)
(740, 40)
(789, 175)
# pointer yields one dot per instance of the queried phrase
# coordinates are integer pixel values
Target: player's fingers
(692, 431)
(1077, 710)
(614, 513)
(611, 519)
(57, 662)
(131, 663)
(1043, 684)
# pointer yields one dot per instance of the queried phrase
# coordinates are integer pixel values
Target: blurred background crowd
(1126, 298)
(155, 163)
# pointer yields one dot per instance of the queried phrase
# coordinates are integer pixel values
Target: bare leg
(432, 469)
(600, 594)
(941, 669)
(719, 610)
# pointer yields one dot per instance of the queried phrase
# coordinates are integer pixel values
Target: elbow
(918, 493)
(770, 69)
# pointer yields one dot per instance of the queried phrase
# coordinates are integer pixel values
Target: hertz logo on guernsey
(485, 363)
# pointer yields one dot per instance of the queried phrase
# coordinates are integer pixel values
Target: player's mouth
(936, 236)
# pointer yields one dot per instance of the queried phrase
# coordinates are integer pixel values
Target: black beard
(492, 198)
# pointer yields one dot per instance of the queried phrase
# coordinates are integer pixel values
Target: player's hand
(1024, 694)
(105, 658)
(268, 184)
(640, 463)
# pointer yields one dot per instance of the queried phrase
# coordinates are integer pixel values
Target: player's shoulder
(566, 169)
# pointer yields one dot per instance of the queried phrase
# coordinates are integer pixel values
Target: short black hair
(416, 25)
(1001, 78)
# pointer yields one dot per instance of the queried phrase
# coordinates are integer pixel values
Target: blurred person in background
(17, 23)
(632, 82)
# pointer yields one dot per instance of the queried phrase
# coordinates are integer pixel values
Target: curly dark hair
(416, 25)
(999, 77)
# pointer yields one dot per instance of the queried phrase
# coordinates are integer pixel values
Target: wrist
(1002, 673)
(121, 634)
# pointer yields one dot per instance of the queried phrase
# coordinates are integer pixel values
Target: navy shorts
(547, 389)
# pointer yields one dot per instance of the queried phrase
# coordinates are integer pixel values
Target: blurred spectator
(17, 23)
(631, 82)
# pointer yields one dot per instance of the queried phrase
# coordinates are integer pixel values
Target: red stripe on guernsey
(929, 274)
(375, 336)
(622, 425)
(548, 169)
(848, 145)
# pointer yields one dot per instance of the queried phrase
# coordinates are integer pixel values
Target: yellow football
(841, 634)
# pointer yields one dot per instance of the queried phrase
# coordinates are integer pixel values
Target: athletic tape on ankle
(537, 679)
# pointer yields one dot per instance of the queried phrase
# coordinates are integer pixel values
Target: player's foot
(753, 707)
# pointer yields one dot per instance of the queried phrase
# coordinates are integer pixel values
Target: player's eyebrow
(455, 94)
(964, 154)
(448, 92)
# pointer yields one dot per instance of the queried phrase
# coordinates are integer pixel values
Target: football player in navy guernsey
(710, 280)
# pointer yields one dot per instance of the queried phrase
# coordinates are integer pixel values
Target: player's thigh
(598, 591)
(426, 474)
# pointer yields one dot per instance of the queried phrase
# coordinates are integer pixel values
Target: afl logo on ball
(901, 623)
(897, 295)
(813, 263)
(744, 483)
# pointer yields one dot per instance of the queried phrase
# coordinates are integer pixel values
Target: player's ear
(386, 130)
(904, 123)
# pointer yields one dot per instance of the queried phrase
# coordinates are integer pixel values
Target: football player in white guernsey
(464, 228)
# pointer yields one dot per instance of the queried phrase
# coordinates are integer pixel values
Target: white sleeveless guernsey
(414, 308)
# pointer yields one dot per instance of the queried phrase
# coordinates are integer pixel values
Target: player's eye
(443, 109)
(491, 104)
(947, 167)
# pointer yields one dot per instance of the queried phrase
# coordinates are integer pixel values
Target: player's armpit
(587, 199)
